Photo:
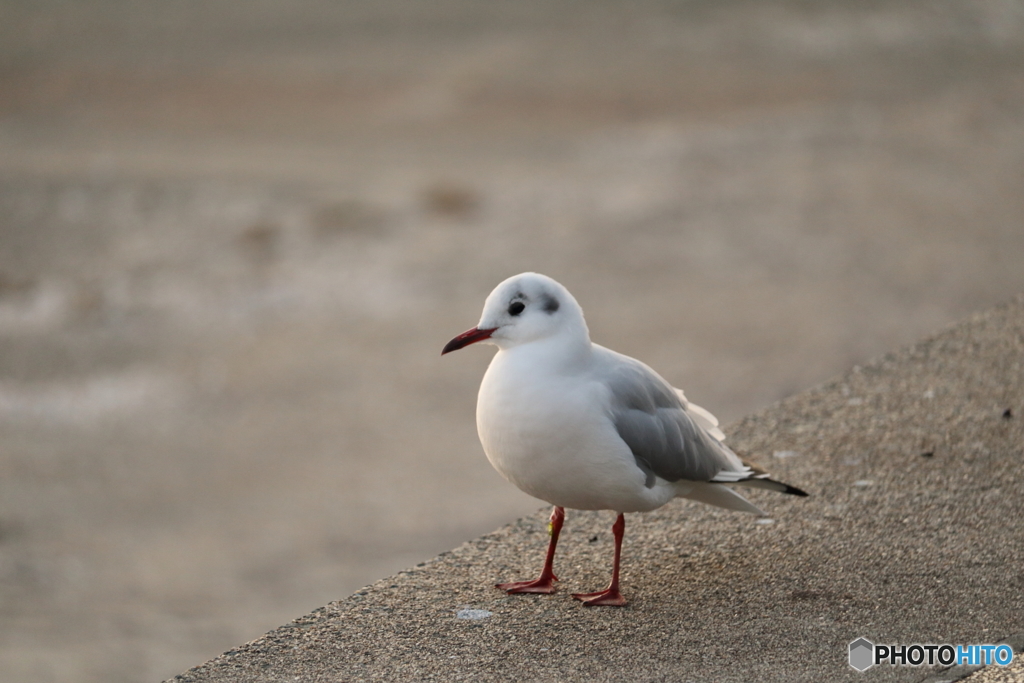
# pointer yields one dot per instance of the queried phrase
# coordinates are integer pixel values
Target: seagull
(581, 426)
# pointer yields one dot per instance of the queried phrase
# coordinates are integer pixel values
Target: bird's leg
(610, 595)
(545, 583)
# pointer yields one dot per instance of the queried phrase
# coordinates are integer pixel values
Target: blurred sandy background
(235, 236)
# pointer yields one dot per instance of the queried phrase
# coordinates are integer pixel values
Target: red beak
(466, 338)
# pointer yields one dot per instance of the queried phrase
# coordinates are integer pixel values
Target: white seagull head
(525, 308)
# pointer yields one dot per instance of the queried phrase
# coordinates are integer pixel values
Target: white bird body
(546, 426)
(581, 426)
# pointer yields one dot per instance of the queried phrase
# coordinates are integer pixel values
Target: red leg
(545, 583)
(610, 595)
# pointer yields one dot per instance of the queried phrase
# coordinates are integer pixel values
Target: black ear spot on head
(550, 303)
(516, 307)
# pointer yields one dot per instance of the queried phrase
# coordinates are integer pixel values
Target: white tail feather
(716, 494)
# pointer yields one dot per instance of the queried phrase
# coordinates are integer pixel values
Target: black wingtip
(794, 491)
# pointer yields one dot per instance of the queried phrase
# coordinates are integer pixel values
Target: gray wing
(665, 440)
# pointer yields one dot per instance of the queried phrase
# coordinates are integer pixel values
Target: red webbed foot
(543, 584)
(610, 597)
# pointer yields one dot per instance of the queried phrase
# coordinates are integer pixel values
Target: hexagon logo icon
(862, 654)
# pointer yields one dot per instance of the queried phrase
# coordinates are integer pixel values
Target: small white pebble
(851, 461)
(784, 454)
(473, 614)
(766, 520)
(863, 483)
(855, 401)
(930, 393)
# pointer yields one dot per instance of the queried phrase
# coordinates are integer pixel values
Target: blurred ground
(233, 239)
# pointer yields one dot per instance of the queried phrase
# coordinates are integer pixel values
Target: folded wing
(672, 438)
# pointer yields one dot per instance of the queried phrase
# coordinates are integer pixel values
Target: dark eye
(516, 307)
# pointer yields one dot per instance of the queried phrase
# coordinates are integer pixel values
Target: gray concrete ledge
(912, 534)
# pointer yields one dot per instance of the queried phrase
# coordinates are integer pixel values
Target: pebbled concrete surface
(912, 534)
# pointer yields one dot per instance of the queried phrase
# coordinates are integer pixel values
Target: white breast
(549, 434)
